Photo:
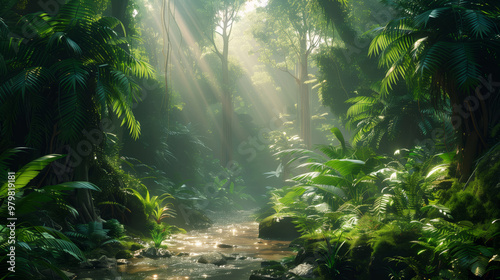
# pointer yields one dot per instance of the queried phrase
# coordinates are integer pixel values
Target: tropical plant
(333, 258)
(30, 198)
(347, 180)
(457, 249)
(72, 54)
(280, 142)
(390, 121)
(37, 246)
(159, 233)
(91, 236)
(153, 205)
(447, 49)
(162, 212)
(333, 193)
(116, 230)
(411, 185)
(62, 81)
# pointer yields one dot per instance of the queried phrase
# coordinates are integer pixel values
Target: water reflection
(238, 240)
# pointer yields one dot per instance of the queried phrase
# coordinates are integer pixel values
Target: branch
(287, 71)
(314, 42)
(216, 50)
(297, 80)
(232, 18)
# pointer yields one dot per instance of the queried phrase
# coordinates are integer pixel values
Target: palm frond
(481, 25)
(30, 171)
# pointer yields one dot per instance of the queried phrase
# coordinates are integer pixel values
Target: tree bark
(227, 103)
(471, 126)
(305, 115)
(119, 10)
(84, 202)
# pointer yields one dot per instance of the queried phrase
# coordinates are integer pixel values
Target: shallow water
(237, 229)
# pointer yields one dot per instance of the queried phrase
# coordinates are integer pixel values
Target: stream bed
(237, 230)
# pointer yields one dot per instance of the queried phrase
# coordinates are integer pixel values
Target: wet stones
(122, 262)
(273, 270)
(225, 246)
(213, 258)
(282, 229)
(303, 270)
(102, 262)
(154, 253)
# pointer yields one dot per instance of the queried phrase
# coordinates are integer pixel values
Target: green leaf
(346, 167)
(29, 171)
(291, 196)
(73, 185)
(339, 136)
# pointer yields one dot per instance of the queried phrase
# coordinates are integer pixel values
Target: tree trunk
(84, 202)
(118, 10)
(227, 105)
(305, 115)
(471, 125)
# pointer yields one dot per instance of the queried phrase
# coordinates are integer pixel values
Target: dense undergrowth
(73, 83)
(366, 216)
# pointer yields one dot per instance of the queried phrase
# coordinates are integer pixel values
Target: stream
(238, 230)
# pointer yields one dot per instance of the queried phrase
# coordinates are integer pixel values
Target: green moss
(392, 240)
(136, 246)
(131, 245)
(360, 253)
(123, 254)
(479, 201)
(466, 206)
(284, 229)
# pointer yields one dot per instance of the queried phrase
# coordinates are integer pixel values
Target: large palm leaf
(72, 64)
(446, 50)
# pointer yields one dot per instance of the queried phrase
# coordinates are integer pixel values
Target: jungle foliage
(387, 217)
(109, 143)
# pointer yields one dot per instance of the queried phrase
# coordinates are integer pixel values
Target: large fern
(456, 245)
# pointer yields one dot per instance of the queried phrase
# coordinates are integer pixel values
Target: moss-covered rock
(360, 253)
(478, 200)
(123, 254)
(466, 206)
(282, 229)
(276, 271)
(135, 246)
(392, 240)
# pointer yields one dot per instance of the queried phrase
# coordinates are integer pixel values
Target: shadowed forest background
(366, 132)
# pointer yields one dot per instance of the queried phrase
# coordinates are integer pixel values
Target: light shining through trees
(202, 139)
(257, 92)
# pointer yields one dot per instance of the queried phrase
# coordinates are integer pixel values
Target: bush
(116, 230)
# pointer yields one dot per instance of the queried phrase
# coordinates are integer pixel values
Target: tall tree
(290, 31)
(224, 13)
(449, 49)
